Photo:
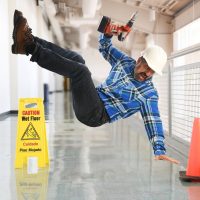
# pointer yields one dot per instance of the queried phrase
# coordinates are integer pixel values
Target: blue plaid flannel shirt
(123, 96)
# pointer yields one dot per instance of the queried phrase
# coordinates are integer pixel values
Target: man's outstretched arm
(109, 52)
(165, 157)
(154, 128)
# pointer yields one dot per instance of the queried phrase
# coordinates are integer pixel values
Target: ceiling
(166, 7)
(75, 22)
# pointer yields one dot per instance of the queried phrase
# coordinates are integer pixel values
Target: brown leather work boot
(22, 34)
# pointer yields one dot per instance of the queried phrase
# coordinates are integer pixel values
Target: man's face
(142, 71)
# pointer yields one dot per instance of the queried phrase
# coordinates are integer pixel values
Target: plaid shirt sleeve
(153, 124)
(109, 52)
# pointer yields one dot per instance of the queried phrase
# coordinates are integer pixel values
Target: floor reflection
(31, 186)
(112, 162)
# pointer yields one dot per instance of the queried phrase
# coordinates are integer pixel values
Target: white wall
(4, 58)
(20, 78)
(4, 98)
(30, 76)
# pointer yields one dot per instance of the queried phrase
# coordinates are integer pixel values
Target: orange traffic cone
(193, 168)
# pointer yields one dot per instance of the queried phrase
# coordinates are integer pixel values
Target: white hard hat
(155, 57)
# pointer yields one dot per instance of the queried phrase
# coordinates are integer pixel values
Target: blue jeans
(88, 107)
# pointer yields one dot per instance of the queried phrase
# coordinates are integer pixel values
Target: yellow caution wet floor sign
(31, 133)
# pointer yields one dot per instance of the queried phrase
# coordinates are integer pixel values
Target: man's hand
(164, 157)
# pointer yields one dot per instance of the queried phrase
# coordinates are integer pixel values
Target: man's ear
(138, 60)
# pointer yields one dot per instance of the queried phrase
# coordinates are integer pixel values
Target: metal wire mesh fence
(185, 99)
(179, 94)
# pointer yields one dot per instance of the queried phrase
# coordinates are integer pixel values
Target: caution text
(30, 112)
(30, 118)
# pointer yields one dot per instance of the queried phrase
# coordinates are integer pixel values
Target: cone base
(184, 177)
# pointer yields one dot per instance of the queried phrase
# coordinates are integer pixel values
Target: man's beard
(141, 77)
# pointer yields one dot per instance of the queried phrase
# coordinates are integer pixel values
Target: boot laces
(29, 40)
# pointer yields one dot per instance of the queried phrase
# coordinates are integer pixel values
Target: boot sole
(17, 15)
(14, 46)
(17, 20)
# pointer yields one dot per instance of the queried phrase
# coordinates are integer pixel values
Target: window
(186, 37)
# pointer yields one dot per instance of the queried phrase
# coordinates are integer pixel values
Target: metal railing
(179, 93)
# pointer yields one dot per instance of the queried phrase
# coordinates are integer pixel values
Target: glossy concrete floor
(112, 162)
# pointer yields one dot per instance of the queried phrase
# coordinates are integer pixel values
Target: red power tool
(106, 26)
